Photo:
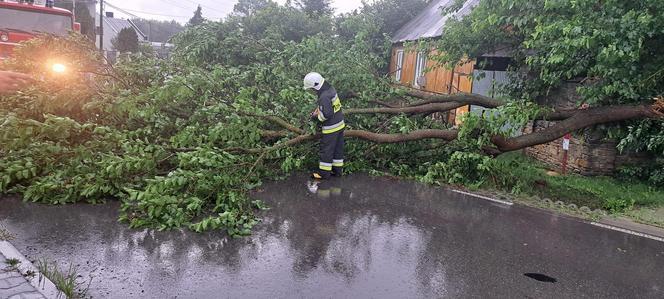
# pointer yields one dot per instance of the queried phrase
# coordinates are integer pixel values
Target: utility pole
(101, 26)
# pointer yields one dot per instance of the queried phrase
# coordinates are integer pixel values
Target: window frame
(399, 65)
(420, 65)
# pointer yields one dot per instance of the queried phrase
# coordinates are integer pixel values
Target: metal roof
(430, 21)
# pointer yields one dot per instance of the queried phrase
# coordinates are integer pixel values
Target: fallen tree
(569, 121)
(181, 142)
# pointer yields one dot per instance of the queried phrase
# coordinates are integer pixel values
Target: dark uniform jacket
(329, 107)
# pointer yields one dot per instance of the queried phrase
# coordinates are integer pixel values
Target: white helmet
(313, 80)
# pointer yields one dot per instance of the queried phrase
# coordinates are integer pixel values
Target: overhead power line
(210, 8)
(175, 4)
(133, 12)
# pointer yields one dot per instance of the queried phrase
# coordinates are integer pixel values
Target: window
(419, 67)
(33, 21)
(399, 65)
(493, 63)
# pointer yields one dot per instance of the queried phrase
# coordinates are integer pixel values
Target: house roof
(116, 25)
(430, 21)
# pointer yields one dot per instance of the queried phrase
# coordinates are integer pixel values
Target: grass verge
(12, 264)
(618, 196)
(65, 281)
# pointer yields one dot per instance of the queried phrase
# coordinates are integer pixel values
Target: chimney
(109, 14)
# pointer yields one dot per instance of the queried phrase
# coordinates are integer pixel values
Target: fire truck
(24, 19)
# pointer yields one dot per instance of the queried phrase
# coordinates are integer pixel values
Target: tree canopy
(197, 19)
(612, 47)
(126, 41)
(316, 7)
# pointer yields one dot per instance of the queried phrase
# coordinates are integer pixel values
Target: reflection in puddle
(355, 237)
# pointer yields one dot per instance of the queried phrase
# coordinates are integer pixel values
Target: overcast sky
(182, 10)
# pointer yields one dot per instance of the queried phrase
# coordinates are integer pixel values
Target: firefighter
(329, 114)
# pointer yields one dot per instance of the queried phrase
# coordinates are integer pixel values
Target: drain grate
(540, 277)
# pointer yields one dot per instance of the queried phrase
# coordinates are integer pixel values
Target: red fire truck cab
(20, 21)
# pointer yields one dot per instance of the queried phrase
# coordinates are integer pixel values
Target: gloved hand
(314, 114)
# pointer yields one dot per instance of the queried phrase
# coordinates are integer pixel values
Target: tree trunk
(569, 121)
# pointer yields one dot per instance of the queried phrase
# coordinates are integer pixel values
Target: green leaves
(178, 143)
(234, 224)
(463, 168)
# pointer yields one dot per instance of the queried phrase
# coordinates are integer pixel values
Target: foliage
(158, 31)
(247, 39)
(160, 135)
(13, 263)
(520, 175)
(613, 43)
(386, 15)
(181, 142)
(618, 205)
(645, 136)
(652, 173)
(315, 7)
(461, 168)
(506, 120)
(35, 55)
(197, 19)
(613, 47)
(377, 22)
(612, 194)
(65, 281)
(249, 7)
(126, 41)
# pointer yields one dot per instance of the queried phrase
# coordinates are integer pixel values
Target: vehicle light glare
(59, 68)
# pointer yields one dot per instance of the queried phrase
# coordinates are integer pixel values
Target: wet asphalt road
(359, 237)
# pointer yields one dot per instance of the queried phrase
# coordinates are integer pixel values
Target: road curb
(41, 283)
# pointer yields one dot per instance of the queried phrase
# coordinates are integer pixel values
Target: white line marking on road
(611, 227)
(484, 197)
(627, 231)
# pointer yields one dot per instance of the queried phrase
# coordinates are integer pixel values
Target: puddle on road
(355, 237)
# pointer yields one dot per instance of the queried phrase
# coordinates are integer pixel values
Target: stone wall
(589, 152)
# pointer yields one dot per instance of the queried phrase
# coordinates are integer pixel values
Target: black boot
(337, 171)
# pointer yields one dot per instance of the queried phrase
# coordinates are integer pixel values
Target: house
(112, 27)
(589, 153)
(163, 50)
(413, 69)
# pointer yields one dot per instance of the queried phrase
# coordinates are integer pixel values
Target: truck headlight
(4, 37)
(58, 68)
